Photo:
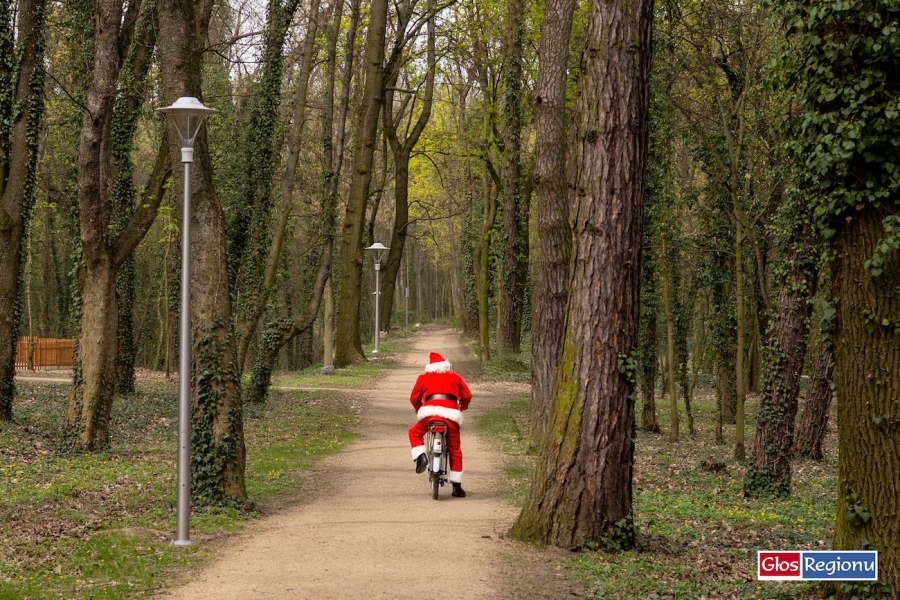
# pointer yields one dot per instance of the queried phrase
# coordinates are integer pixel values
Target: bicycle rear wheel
(435, 485)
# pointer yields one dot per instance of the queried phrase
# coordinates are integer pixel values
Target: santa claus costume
(440, 395)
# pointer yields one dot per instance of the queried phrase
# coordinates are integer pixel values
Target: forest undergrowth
(99, 525)
(698, 535)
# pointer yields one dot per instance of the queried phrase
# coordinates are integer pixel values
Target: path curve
(373, 530)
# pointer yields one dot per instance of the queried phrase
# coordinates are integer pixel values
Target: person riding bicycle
(440, 394)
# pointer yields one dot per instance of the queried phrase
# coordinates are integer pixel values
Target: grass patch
(698, 535)
(99, 525)
(506, 369)
(506, 428)
(356, 376)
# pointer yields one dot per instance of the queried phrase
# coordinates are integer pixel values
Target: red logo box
(778, 566)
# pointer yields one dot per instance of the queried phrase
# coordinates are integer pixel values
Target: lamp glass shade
(379, 250)
(189, 113)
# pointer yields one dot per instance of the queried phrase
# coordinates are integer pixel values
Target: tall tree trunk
(648, 345)
(137, 57)
(126, 346)
(255, 273)
(108, 236)
(554, 236)
(348, 345)
(867, 360)
(814, 418)
(91, 400)
(515, 258)
(401, 150)
(581, 491)
(482, 261)
(21, 110)
(218, 460)
(281, 332)
(670, 342)
(770, 473)
(739, 450)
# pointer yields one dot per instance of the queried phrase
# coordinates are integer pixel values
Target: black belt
(440, 397)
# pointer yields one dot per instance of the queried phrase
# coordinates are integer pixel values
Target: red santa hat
(437, 364)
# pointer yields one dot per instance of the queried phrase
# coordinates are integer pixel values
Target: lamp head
(189, 113)
(379, 250)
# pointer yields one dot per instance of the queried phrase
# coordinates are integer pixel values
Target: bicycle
(435, 452)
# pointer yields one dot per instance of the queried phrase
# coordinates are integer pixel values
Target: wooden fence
(49, 353)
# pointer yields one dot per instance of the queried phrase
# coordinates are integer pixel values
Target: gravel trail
(372, 530)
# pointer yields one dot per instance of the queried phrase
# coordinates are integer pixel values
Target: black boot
(458, 492)
(421, 463)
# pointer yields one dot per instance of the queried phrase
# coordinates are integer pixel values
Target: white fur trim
(418, 451)
(455, 476)
(438, 367)
(451, 414)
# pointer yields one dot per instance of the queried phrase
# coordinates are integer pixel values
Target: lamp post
(189, 114)
(406, 282)
(378, 251)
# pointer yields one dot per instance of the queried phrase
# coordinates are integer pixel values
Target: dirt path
(373, 530)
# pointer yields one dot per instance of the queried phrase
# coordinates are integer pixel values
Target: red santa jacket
(452, 393)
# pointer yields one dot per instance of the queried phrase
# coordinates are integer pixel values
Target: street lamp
(379, 251)
(189, 114)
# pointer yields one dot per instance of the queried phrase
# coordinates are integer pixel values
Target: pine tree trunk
(554, 236)
(867, 361)
(581, 493)
(814, 418)
(770, 473)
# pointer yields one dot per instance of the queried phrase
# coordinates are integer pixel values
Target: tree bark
(401, 150)
(515, 253)
(255, 274)
(482, 261)
(670, 342)
(867, 360)
(108, 236)
(218, 459)
(581, 493)
(554, 235)
(770, 474)
(648, 348)
(348, 345)
(21, 110)
(279, 333)
(814, 418)
(739, 450)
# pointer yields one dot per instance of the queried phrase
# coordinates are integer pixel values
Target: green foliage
(250, 223)
(506, 427)
(857, 514)
(842, 61)
(885, 247)
(98, 525)
(627, 365)
(213, 451)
